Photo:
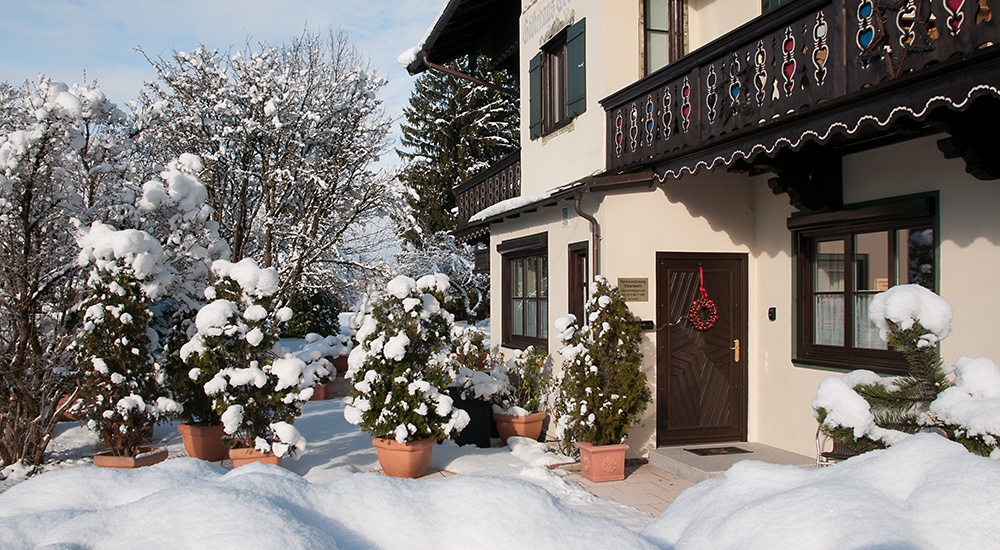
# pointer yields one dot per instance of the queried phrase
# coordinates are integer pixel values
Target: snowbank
(924, 492)
(187, 503)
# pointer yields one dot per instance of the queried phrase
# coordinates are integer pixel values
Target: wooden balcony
(499, 182)
(811, 72)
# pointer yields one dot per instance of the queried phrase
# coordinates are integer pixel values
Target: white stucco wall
(710, 19)
(969, 214)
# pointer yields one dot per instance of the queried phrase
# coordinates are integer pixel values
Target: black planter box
(480, 420)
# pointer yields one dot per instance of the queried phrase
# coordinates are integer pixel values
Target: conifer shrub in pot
(518, 409)
(257, 391)
(601, 389)
(475, 384)
(399, 373)
(121, 398)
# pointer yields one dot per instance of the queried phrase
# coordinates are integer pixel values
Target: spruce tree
(453, 130)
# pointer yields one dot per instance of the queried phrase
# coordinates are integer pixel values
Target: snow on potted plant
(864, 411)
(325, 351)
(601, 389)
(518, 408)
(257, 393)
(479, 376)
(120, 394)
(398, 371)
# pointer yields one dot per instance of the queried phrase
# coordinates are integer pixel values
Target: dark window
(665, 32)
(578, 287)
(844, 260)
(558, 81)
(768, 5)
(525, 291)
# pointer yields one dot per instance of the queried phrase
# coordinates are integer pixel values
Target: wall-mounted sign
(634, 290)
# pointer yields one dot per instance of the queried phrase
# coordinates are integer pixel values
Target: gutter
(595, 230)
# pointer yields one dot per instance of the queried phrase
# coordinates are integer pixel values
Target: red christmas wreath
(703, 321)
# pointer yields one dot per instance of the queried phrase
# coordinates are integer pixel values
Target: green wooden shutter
(535, 99)
(576, 57)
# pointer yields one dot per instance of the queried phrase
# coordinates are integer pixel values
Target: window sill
(523, 342)
(849, 364)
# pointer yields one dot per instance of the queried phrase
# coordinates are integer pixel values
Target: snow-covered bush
(601, 389)
(529, 373)
(234, 357)
(57, 142)
(399, 369)
(865, 411)
(120, 385)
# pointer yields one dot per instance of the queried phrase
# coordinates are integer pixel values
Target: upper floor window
(665, 26)
(768, 5)
(558, 83)
(844, 260)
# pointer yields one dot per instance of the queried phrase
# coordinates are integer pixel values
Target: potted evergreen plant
(518, 409)
(256, 392)
(602, 389)
(120, 396)
(201, 428)
(475, 384)
(399, 371)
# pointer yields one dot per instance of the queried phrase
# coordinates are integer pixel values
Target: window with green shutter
(558, 81)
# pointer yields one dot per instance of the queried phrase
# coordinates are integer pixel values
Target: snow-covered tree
(601, 389)
(288, 136)
(441, 253)
(453, 130)
(865, 411)
(234, 357)
(53, 156)
(122, 398)
(399, 369)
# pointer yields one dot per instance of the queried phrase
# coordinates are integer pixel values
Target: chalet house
(793, 160)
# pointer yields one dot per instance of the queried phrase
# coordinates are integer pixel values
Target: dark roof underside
(466, 27)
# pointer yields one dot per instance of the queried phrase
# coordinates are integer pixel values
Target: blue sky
(68, 39)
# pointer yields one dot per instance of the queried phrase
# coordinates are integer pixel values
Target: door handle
(736, 350)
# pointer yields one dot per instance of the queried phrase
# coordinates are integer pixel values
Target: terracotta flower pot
(522, 426)
(602, 462)
(409, 459)
(65, 416)
(242, 457)
(147, 457)
(340, 363)
(319, 392)
(203, 441)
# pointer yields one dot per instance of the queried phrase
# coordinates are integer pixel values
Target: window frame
(843, 226)
(578, 280)
(555, 83)
(529, 247)
(557, 78)
(676, 13)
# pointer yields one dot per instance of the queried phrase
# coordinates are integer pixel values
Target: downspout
(442, 69)
(595, 231)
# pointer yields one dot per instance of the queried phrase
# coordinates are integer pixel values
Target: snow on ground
(925, 492)
(312, 502)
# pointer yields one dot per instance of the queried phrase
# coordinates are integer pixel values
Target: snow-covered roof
(515, 205)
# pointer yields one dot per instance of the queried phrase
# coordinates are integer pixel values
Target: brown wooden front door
(701, 381)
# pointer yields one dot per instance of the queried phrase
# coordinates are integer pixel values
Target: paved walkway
(645, 488)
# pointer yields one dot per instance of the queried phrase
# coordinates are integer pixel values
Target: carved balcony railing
(804, 72)
(499, 182)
